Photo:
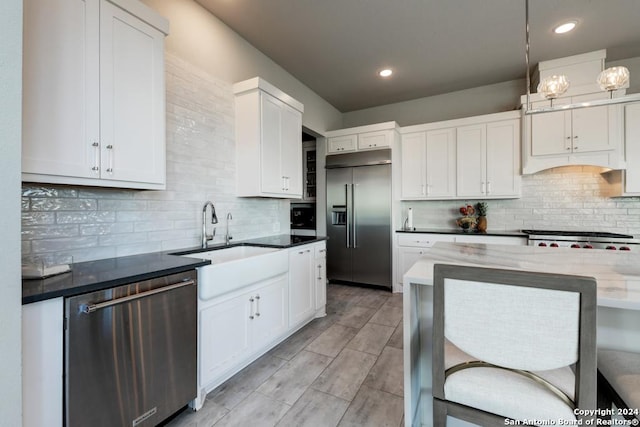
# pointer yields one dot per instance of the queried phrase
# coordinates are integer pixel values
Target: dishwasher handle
(90, 308)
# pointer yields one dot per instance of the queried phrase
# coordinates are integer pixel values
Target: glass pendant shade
(613, 78)
(553, 86)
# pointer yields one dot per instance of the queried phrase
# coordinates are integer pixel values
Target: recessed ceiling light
(565, 28)
(386, 72)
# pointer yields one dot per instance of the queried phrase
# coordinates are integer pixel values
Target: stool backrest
(516, 319)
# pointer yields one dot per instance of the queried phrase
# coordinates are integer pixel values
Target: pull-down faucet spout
(214, 220)
(228, 237)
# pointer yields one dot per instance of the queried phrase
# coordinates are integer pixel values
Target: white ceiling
(335, 47)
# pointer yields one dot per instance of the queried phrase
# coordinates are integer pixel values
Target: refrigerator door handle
(348, 223)
(353, 213)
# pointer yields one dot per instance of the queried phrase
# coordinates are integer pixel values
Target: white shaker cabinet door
(590, 129)
(43, 363)
(291, 151)
(272, 178)
(413, 160)
(60, 88)
(301, 284)
(548, 135)
(320, 271)
(632, 144)
(132, 93)
(224, 336)
(503, 158)
(471, 160)
(441, 163)
(270, 313)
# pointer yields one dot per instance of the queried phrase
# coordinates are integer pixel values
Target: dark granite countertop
(280, 241)
(101, 274)
(512, 233)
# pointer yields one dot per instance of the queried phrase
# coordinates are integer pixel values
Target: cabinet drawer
(374, 140)
(320, 250)
(423, 240)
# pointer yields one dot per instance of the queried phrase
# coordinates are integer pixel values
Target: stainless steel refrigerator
(359, 217)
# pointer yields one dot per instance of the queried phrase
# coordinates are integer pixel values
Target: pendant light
(552, 87)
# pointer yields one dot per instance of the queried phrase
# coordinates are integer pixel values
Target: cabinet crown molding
(484, 118)
(145, 13)
(258, 83)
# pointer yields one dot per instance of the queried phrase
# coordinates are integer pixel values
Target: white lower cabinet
(301, 284)
(320, 271)
(307, 282)
(234, 328)
(42, 363)
(237, 327)
(413, 246)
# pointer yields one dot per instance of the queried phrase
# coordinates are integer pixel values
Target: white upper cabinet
(473, 157)
(627, 182)
(429, 164)
(590, 136)
(342, 144)
(268, 141)
(503, 177)
(94, 111)
(471, 145)
(370, 137)
(488, 160)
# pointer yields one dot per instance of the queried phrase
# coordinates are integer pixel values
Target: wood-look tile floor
(344, 369)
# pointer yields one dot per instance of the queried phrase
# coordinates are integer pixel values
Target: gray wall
(465, 103)
(495, 98)
(206, 42)
(10, 288)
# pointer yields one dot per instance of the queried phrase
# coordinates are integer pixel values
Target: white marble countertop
(617, 273)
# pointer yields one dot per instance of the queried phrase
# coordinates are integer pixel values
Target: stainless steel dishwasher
(130, 352)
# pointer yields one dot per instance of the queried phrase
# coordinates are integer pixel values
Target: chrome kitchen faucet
(228, 237)
(214, 220)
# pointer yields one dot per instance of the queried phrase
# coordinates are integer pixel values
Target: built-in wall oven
(130, 352)
(582, 240)
(303, 219)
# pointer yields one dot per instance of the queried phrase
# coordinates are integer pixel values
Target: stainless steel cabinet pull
(488, 187)
(96, 157)
(110, 168)
(257, 305)
(319, 271)
(90, 308)
(251, 300)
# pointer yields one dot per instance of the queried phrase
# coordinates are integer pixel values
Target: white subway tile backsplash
(568, 198)
(92, 223)
(59, 204)
(49, 231)
(63, 245)
(38, 218)
(85, 217)
(102, 229)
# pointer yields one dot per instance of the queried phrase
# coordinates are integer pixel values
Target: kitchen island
(617, 274)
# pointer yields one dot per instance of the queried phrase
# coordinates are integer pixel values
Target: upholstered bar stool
(513, 345)
(619, 382)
